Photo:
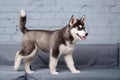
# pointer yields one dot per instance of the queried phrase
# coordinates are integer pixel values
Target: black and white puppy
(56, 42)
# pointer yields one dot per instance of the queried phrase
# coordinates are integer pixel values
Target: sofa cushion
(86, 74)
(7, 73)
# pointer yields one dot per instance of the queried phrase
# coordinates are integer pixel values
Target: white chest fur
(66, 49)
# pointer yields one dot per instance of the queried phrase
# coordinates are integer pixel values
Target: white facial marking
(75, 31)
(81, 33)
(80, 26)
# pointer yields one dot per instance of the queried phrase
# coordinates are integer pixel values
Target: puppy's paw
(76, 71)
(15, 68)
(55, 73)
(30, 72)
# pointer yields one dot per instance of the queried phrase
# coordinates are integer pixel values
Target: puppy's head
(77, 28)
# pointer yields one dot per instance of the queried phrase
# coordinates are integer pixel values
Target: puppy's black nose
(86, 34)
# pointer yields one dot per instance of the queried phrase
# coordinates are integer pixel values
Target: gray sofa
(95, 61)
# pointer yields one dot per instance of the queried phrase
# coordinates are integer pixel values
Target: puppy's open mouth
(81, 37)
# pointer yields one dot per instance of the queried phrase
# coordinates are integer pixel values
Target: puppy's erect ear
(82, 19)
(72, 21)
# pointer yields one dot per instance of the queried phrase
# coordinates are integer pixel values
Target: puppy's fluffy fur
(55, 42)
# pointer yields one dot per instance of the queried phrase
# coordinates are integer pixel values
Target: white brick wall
(102, 22)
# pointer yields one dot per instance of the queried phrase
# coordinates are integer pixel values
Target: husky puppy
(56, 42)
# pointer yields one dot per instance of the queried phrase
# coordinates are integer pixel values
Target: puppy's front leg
(70, 63)
(53, 64)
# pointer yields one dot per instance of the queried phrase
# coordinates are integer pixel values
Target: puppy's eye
(79, 28)
(83, 27)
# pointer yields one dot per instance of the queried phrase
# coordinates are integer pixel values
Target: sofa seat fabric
(7, 73)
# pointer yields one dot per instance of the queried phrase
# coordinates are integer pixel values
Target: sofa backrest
(118, 55)
(86, 55)
(7, 53)
(96, 55)
(89, 55)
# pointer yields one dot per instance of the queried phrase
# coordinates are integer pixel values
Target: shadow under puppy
(56, 42)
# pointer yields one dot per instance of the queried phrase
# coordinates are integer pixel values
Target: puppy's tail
(23, 22)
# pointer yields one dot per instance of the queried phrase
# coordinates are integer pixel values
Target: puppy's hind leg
(27, 65)
(28, 59)
(17, 61)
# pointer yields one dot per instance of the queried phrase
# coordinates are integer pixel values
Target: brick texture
(102, 21)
